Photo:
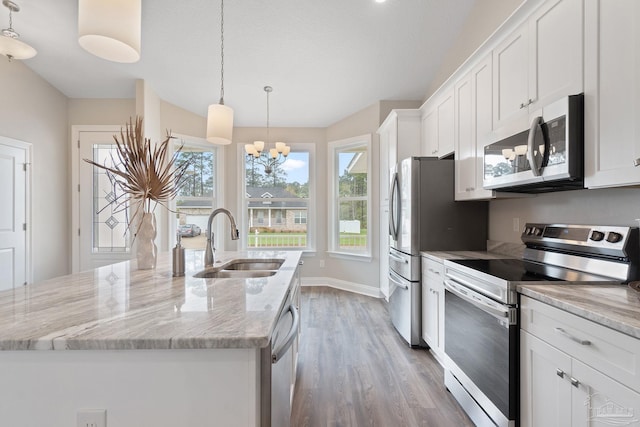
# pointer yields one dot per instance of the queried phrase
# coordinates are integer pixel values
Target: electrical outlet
(516, 224)
(321, 263)
(92, 418)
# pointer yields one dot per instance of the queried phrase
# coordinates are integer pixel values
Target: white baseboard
(342, 285)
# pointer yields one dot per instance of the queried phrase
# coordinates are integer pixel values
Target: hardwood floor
(355, 370)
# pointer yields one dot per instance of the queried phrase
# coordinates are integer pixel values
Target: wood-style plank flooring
(355, 370)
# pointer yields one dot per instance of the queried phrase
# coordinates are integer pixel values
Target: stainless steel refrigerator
(423, 216)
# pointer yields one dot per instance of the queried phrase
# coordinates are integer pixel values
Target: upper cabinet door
(430, 133)
(556, 52)
(539, 63)
(446, 124)
(465, 153)
(612, 93)
(510, 80)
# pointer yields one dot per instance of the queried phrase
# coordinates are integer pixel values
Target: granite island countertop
(119, 307)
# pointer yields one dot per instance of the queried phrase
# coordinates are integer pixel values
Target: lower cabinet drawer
(611, 352)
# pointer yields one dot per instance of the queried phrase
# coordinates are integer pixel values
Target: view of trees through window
(277, 202)
(352, 198)
(196, 198)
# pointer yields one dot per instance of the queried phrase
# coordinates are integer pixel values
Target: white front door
(102, 236)
(14, 156)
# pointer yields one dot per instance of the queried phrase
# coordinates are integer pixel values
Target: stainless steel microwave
(549, 156)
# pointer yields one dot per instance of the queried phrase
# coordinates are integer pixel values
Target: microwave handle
(536, 126)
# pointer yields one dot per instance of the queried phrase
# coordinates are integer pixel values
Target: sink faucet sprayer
(209, 256)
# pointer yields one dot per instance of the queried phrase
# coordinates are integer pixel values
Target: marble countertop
(615, 306)
(121, 307)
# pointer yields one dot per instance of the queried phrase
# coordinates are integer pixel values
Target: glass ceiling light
(219, 116)
(110, 29)
(10, 46)
(276, 156)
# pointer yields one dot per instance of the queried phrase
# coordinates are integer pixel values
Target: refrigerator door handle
(398, 282)
(393, 229)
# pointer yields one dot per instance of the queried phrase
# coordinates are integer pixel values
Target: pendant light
(110, 29)
(10, 46)
(219, 116)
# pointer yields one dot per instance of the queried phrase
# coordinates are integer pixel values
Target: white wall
(485, 17)
(34, 111)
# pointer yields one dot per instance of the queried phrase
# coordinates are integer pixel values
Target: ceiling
(325, 59)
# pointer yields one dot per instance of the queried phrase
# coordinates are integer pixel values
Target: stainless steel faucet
(209, 253)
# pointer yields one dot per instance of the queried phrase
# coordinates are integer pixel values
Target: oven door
(481, 341)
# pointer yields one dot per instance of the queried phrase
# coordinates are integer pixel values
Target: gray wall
(34, 111)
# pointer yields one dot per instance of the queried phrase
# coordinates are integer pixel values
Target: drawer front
(433, 270)
(610, 352)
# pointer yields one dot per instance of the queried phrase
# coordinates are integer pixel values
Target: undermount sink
(242, 269)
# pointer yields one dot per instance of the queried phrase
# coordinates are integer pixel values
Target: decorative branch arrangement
(143, 174)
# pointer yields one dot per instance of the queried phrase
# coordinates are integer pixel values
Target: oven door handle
(470, 296)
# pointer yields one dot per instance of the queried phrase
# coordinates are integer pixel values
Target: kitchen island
(149, 348)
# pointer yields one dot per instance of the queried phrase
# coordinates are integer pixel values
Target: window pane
(353, 225)
(352, 170)
(195, 201)
(277, 201)
(109, 231)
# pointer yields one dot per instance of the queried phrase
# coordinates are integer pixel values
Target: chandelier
(10, 46)
(275, 156)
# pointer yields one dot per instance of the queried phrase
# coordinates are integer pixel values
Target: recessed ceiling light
(380, 1)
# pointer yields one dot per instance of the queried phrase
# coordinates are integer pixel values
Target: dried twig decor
(144, 175)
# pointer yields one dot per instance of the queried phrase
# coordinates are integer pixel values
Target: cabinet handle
(560, 373)
(471, 188)
(571, 337)
(636, 162)
(433, 271)
(575, 382)
(530, 102)
(522, 106)
(434, 151)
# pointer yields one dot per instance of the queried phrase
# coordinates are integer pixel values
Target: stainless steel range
(481, 307)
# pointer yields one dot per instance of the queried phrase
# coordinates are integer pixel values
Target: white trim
(332, 214)
(75, 181)
(343, 285)
(353, 256)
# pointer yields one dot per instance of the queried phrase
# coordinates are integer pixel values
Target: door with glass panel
(102, 235)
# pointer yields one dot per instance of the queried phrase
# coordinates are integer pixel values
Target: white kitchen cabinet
(612, 93)
(433, 306)
(473, 130)
(438, 131)
(399, 138)
(574, 372)
(539, 63)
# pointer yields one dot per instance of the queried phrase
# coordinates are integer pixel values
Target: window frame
(334, 198)
(243, 202)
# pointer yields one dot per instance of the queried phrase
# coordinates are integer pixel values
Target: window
(349, 204)
(197, 198)
(277, 204)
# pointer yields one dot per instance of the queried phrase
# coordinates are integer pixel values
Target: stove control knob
(536, 231)
(614, 237)
(527, 231)
(596, 236)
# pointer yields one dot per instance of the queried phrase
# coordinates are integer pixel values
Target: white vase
(146, 250)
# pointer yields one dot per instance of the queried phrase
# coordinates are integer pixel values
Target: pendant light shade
(219, 124)
(219, 116)
(110, 29)
(10, 46)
